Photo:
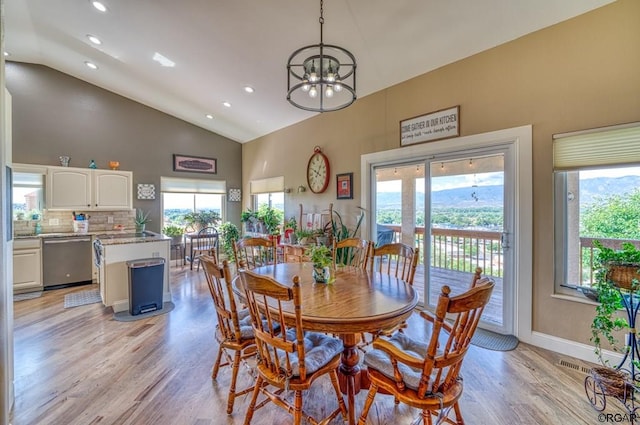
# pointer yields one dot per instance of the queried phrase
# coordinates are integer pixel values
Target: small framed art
(194, 164)
(344, 186)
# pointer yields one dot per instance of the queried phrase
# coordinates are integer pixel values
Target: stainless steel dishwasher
(66, 261)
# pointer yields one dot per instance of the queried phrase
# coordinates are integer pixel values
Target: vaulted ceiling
(219, 47)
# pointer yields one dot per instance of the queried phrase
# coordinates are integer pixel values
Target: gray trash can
(146, 278)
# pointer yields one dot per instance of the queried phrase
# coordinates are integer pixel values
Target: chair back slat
(354, 252)
(250, 253)
(395, 259)
(278, 335)
(459, 316)
(219, 282)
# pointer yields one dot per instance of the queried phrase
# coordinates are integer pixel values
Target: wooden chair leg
(234, 376)
(297, 408)
(216, 365)
(456, 408)
(254, 399)
(367, 404)
(343, 407)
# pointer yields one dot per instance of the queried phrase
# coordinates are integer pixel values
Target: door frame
(518, 138)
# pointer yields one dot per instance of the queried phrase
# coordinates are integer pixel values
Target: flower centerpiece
(320, 256)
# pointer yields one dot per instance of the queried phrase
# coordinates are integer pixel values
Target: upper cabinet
(80, 188)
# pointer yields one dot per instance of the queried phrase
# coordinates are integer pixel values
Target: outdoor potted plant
(616, 280)
(174, 232)
(141, 219)
(320, 256)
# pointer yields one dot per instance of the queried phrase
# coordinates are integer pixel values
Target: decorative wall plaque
(146, 191)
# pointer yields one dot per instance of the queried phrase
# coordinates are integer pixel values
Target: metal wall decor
(146, 191)
(235, 195)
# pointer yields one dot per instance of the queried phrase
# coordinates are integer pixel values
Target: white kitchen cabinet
(27, 265)
(86, 189)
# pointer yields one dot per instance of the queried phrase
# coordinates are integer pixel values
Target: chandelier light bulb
(337, 87)
(313, 92)
(329, 91)
(306, 87)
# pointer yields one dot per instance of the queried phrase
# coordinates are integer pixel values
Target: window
(597, 197)
(181, 196)
(268, 193)
(28, 194)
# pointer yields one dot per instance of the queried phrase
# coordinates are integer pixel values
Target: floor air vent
(575, 366)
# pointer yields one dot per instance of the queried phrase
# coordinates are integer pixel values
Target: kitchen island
(113, 250)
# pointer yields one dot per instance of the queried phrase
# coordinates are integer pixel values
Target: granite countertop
(112, 237)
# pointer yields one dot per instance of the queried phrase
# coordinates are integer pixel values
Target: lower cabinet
(27, 265)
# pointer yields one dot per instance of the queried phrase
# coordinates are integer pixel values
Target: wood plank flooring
(80, 366)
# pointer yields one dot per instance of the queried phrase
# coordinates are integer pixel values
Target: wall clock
(318, 171)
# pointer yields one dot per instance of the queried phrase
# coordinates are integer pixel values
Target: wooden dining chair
(250, 253)
(398, 260)
(352, 252)
(234, 332)
(204, 243)
(426, 374)
(395, 259)
(289, 358)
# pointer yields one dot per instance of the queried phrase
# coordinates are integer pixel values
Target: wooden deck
(459, 282)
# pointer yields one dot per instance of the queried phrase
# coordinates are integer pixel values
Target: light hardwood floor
(79, 366)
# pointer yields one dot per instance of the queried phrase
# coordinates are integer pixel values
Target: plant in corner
(229, 233)
(141, 220)
(320, 256)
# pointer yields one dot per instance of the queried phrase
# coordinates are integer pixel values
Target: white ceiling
(220, 46)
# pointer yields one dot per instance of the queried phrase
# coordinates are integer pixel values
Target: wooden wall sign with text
(437, 125)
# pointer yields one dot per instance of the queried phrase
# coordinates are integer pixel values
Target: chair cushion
(380, 361)
(319, 350)
(244, 319)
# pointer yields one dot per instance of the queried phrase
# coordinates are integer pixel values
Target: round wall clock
(318, 171)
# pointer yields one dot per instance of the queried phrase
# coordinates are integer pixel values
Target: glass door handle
(504, 240)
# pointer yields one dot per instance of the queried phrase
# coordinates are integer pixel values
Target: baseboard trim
(570, 348)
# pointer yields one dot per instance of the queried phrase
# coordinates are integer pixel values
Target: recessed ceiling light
(98, 5)
(248, 89)
(94, 39)
(7, 54)
(91, 65)
(164, 61)
(227, 104)
(209, 116)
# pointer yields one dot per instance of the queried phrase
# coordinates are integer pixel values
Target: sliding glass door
(454, 209)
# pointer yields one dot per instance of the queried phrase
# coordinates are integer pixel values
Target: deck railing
(460, 250)
(588, 253)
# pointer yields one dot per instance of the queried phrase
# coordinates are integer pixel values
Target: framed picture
(194, 164)
(344, 186)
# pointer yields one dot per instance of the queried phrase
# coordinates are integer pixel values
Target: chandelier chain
(321, 20)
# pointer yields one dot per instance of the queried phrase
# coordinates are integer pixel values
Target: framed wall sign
(194, 164)
(344, 186)
(438, 125)
(235, 195)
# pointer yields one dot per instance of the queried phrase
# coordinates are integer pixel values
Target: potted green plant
(174, 232)
(616, 276)
(229, 233)
(141, 219)
(270, 217)
(201, 219)
(304, 236)
(320, 256)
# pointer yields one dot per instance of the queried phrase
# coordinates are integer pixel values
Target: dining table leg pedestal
(350, 375)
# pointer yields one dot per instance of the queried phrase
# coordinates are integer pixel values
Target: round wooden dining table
(356, 301)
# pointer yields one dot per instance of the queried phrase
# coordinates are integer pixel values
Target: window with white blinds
(272, 184)
(597, 148)
(178, 185)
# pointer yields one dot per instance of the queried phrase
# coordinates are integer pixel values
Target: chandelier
(321, 77)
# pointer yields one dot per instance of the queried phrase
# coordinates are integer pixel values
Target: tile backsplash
(98, 221)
